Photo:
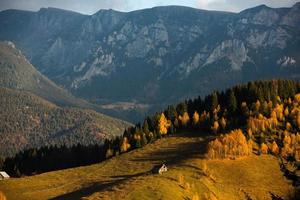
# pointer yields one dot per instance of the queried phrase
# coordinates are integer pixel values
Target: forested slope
(28, 121)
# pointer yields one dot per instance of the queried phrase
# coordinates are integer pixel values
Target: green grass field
(128, 176)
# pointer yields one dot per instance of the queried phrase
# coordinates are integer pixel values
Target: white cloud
(204, 3)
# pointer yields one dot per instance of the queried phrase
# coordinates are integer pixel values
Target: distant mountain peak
(256, 9)
(56, 10)
(108, 12)
(44, 9)
(297, 4)
(262, 6)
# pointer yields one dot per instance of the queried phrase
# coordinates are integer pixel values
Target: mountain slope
(163, 54)
(127, 176)
(16, 72)
(30, 121)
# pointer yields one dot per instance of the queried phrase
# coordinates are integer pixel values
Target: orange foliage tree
(264, 148)
(274, 148)
(125, 145)
(196, 118)
(184, 119)
(215, 127)
(163, 124)
(231, 145)
(223, 123)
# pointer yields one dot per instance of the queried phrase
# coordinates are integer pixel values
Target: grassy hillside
(29, 121)
(190, 175)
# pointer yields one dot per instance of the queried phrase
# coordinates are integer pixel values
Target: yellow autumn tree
(297, 98)
(273, 115)
(257, 105)
(163, 124)
(293, 139)
(286, 112)
(288, 126)
(250, 146)
(231, 145)
(278, 99)
(279, 111)
(287, 139)
(125, 145)
(109, 153)
(249, 132)
(215, 127)
(286, 151)
(184, 119)
(270, 105)
(274, 148)
(264, 148)
(196, 118)
(204, 116)
(223, 123)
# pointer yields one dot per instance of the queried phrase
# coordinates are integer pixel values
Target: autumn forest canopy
(259, 117)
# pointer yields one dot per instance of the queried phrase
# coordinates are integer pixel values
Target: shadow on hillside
(98, 187)
(173, 154)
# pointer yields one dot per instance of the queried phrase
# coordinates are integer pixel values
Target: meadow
(190, 176)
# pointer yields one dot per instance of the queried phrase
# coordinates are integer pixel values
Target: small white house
(162, 169)
(3, 175)
(159, 169)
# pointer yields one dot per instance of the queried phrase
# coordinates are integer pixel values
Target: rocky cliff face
(158, 54)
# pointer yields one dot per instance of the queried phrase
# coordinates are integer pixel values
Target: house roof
(4, 174)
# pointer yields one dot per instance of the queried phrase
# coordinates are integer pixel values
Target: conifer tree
(214, 101)
(146, 127)
(232, 102)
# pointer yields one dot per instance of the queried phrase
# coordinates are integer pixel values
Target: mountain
(156, 56)
(16, 72)
(29, 121)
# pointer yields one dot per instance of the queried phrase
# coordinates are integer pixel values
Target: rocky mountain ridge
(156, 55)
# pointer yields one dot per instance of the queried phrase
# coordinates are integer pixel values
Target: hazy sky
(91, 6)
